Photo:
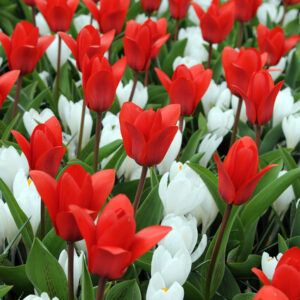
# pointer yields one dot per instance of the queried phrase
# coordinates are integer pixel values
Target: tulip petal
(118, 70)
(70, 42)
(66, 226)
(43, 43)
(261, 275)
(290, 43)
(7, 81)
(24, 145)
(6, 43)
(198, 9)
(158, 44)
(269, 292)
(54, 126)
(170, 115)
(291, 257)
(164, 79)
(23, 58)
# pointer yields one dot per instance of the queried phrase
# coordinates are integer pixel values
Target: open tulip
(112, 243)
(179, 8)
(44, 151)
(75, 187)
(187, 86)
(7, 81)
(246, 10)
(269, 292)
(238, 174)
(150, 5)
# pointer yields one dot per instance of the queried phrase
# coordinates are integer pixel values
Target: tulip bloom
(274, 43)
(147, 135)
(111, 15)
(150, 5)
(238, 174)
(58, 13)
(7, 81)
(74, 187)
(187, 86)
(29, 2)
(25, 47)
(44, 151)
(269, 292)
(89, 43)
(291, 2)
(245, 10)
(179, 8)
(100, 81)
(217, 22)
(112, 243)
(286, 277)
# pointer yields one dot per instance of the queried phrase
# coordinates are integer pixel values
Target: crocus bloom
(100, 81)
(7, 81)
(187, 86)
(112, 243)
(179, 8)
(77, 187)
(147, 135)
(111, 15)
(274, 43)
(238, 174)
(286, 276)
(217, 22)
(25, 47)
(58, 13)
(88, 42)
(150, 5)
(44, 151)
(260, 97)
(268, 264)
(29, 2)
(246, 10)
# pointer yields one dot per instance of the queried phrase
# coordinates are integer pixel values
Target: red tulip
(179, 8)
(143, 42)
(112, 243)
(29, 2)
(260, 97)
(291, 2)
(100, 81)
(238, 174)
(150, 5)
(268, 292)
(25, 47)
(274, 43)
(58, 13)
(245, 10)
(217, 22)
(88, 42)
(111, 15)
(186, 87)
(286, 277)
(74, 187)
(240, 65)
(7, 81)
(44, 151)
(147, 135)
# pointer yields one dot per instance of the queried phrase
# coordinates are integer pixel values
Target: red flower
(25, 47)
(88, 42)
(274, 43)
(186, 87)
(178, 8)
(245, 10)
(100, 81)
(238, 174)
(143, 42)
(260, 97)
(58, 13)
(286, 277)
(239, 66)
(29, 2)
(150, 5)
(147, 135)
(111, 15)
(7, 81)
(45, 150)
(217, 22)
(75, 186)
(291, 2)
(269, 292)
(112, 243)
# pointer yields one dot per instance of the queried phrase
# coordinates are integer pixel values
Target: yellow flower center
(164, 289)
(29, 181)
(180, 167)
(270, 259)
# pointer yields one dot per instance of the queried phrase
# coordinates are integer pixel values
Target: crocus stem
(240, 35)
(101, 288)
(140, 188)
(33, 15)
(43, 219)
(216, 250)
(58, 70)
(284, 13)
(176, 30)
(209, 55)
(136, 75)
(81, 130)
(146, 77)
(17, 95)
(236, 121)
(181, 129)
(257, 135)
(97, 140)
(70, 270)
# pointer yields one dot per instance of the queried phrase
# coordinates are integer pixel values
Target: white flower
(172, 266)
(268, 264)
(186, 60)
(158, 290)
(290, 15)
(1, 61)
(219, 122)
(234, 104)
(271, 10)
(32, 118)
(164, 6)
(83, 20)
(290, 125)
(142, 18)
(44, 296)
(42, 24)
(44, 75)
(280, 66)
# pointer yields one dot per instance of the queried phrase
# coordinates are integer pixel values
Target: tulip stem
(176, 30)
(216, 250)
(97, 140)
(43, 220)
(240, 35)
(146, 78)
(101, 288)
(209, 55)
(70, 270)
(33, 16)
(236, 121)
(58, 70)
(140, 188)
(17, 95)
(257, 135)
(91, 20)
(81, 130)
(284, 13)
(136, 75)
(181, 129)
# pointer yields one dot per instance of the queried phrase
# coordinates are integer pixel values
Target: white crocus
(130, 170)
(164, 6)
(172, 266)
(41, 23)
(83, 20)
(279, 68)
(269, 10)
(44, 75)
(158, 290)
(234, 104)
(44, 296)
(268, 264)
(289, 127)
(186, 60)
(32, 118)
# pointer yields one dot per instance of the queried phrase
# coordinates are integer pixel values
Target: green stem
(43, 220)
(136, 75)
(81, 129)
(17, 95)
(236, 122)
(101, 288)
(97, 140)
(176, 30)
(140, 189)
(58, 70)
(70, 270)
(240, 36)
(257, 135)
(209, 56)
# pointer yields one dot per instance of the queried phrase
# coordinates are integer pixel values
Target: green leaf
(45, 273)
(153, 178)
(117, 159)
(243, 269)
(10, 126)
(126, 290)
(282, 245)
(271, 139)
(87, 292)
(246, 296)
(191, 292)
(295, 231)
(54, 243)
(4, 289)
(144, 261)
(292, 70)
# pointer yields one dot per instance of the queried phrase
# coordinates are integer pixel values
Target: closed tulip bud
(150, 5)
(246, 10)
(29, 2)
(179, 8)
(7, 81)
